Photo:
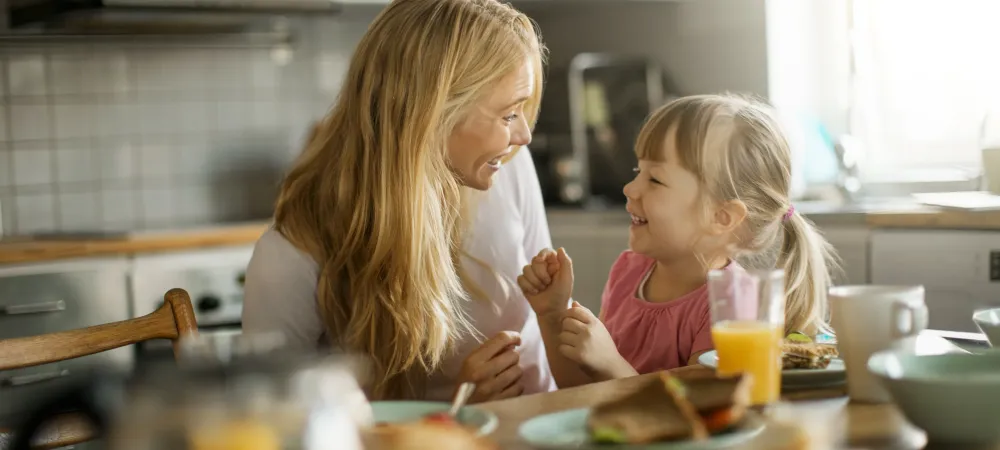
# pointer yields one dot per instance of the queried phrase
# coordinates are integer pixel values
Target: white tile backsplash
(3, 117)
(193, 202)
(32, 164)
(117, 117)
(79, 210)
(231, 116)
(35, 213)
(118, 208)
(8, 212)
(117, 159)
(26, 74)
(66, 76)
(76, 163)
(107, 72)
(108, 137)
(157, 205)
(75, 120)
(30, 121)
(192, 159)
(195, 117)
(6, 167)
(156, 158)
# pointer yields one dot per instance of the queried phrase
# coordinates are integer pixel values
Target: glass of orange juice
(748, 317)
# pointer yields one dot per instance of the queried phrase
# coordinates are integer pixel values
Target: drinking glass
(748, 317)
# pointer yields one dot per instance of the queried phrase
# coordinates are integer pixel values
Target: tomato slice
(441, 417)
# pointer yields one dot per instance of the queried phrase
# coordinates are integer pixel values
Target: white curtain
(925, 75)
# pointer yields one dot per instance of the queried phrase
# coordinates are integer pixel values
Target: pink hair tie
(788, 215)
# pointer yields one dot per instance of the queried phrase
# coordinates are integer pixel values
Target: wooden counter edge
(935, 219)
(43, 251)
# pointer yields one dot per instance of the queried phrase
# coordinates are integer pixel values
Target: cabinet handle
(32, 379)
(33, 308)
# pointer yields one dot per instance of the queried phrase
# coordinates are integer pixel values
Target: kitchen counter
(16, 251)
(873, 214)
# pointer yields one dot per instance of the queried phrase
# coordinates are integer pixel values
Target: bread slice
(656, 412)
(802, 355)
(721, 401)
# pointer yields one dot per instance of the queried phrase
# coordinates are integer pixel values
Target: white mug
(868, 319)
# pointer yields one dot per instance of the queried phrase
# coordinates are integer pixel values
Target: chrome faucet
(848, 152)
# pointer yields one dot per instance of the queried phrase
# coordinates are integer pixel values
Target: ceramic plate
(484, 422)
(568, 429)
(833, 374)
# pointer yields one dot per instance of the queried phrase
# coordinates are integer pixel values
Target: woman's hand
(547, 283)
(585, 341)
(494, 368)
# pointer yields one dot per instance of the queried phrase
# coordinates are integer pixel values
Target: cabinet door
(852, 245)
(953, 266)
(47, 298)
(594, 250)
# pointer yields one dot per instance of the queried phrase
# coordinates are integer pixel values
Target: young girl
(712, 185)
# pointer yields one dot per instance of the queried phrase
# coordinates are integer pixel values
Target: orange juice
(753, 347)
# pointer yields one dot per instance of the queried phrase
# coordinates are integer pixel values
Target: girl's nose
(630, 191)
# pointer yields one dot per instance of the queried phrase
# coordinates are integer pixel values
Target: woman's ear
(728, 217)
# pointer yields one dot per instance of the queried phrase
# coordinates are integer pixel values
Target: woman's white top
(509, 229)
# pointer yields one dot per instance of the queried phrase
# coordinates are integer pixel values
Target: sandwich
(692, 405)
(801, 355)
(798, 351)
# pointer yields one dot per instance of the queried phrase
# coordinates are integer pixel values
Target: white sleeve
(536, 225)
(280, 292)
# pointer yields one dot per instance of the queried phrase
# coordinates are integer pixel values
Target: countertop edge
(146, 242)
(245, 233)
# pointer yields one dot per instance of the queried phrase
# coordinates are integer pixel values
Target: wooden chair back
(173, 320)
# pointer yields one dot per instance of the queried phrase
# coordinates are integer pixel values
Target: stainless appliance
(223, 393)
(212, 276)
(586, 135)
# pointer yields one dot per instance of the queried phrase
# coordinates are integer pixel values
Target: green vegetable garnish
(795, 336)
(607, 435)
(676, 386)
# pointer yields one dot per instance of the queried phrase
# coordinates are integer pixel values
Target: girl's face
(663, 203)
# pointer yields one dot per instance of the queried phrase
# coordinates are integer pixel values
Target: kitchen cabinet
(594, 246)
(44, 298)
(960, 270)
(852, 246)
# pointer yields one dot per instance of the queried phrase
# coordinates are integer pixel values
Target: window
(925, 74)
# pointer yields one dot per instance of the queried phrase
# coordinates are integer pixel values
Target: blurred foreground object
(226, 392)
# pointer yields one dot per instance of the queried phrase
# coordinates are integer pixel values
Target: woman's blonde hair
(737, 150)
(372, 198)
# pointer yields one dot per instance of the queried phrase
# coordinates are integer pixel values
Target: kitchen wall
(102, 136)
(130, 138)
(705, 46)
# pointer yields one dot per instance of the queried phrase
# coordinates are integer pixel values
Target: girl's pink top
(654, 336)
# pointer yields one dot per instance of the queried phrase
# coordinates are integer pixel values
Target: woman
(367, 250)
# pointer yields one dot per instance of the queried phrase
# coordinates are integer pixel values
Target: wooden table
(815, 419)
(823, 418)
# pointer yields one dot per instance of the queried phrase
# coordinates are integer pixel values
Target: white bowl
(954, 397)
(988, 321)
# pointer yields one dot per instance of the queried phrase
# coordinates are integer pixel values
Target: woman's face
(492, 128)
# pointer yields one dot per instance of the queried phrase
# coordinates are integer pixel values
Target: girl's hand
(494, 368)
(585, 341)
(547, 283)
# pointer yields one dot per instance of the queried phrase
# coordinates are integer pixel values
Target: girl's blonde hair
(737, 150)
(372, 198)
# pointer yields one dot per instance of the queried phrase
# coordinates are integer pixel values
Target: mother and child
(411, 229)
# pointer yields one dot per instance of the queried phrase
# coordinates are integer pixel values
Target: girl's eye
(635, 169)
(510, 118)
